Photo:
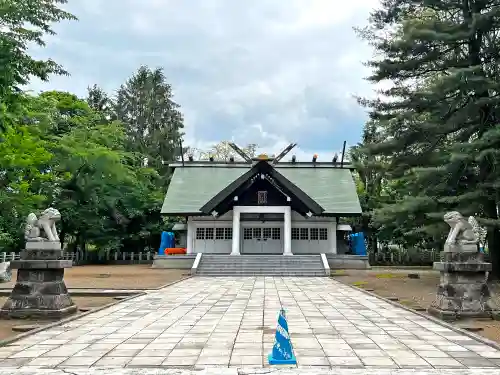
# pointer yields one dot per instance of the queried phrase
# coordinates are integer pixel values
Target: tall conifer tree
(440, 117)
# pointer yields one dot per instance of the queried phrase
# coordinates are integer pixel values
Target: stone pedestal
(463, 291)
(40, 291)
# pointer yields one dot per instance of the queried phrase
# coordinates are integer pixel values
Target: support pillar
(287, 229)
(235, 250)
(189, 238)
(332, 237)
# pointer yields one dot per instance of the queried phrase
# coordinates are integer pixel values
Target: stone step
(295, 266)
(310, 274)
(261, 265)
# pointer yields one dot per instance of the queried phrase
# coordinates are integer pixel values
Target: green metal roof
(192, 187)
(332, 188)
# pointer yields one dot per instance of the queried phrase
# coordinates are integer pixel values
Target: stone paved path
(230, 322)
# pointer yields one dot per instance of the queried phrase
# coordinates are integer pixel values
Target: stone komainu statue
(44, 227)
(464, 234)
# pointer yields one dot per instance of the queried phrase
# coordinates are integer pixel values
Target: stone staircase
(261, 265)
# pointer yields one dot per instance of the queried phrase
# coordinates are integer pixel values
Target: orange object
(175, 251)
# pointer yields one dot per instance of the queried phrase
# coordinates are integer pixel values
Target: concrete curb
(172, 283)
(75, 317)
(95, 293)
(472, 335)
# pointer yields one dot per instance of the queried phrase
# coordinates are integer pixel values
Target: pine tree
(153, 121)
(100, 102)
(440, 121)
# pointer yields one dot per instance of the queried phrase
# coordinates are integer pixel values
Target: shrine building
(262, 205)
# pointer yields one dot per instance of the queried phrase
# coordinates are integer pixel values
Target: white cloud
(266, 71)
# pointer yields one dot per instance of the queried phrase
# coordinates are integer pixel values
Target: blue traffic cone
(282, 353)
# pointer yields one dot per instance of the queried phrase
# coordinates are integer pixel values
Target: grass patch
(389, 276)
(360, 284)
(338, 273)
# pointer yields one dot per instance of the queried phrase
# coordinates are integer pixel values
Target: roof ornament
(283, 153)
(263, 157)
(240, 152)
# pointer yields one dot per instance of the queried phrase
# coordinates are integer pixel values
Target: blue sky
(263, 71)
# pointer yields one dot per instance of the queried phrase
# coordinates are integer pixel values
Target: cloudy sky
(263, 71)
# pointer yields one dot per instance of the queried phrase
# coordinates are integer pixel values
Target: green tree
(25, 160)
(440, 122)
(371, 172)
(100, 102)
(152, 120)
(24, 22)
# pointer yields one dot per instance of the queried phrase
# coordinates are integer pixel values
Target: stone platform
(463, 290)
(40, 291)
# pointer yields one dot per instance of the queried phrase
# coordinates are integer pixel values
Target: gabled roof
(194, 185)
(262, 167)
(191, 188)
(333, 188)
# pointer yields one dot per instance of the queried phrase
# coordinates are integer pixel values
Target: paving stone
(467, 354)
(46, 362)
(370, 353)
(313, 361)
(379, 362)
(432, 354)
(112, 361)
(490, 354)
(245, 360)
(222, 361)
(123, 353)
(79, 361)
(345, 362)
(14, 362)
(444, 362)
(29, 353)
(476, 362)
(142, 362)
(411, 362)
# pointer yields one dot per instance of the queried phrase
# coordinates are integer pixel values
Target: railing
(413, 257)
(80, 258)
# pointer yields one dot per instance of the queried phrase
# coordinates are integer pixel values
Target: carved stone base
(40, 291)
(463, 290)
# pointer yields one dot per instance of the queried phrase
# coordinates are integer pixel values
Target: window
(209, 233)
(304, 233)
(266, 232)
(262, 197)
(257, 233)
(214, 233)
(323, 234)
(247, 233)
(276, 234)
(314, 234)
(200, 233)
(295, 233)
(219, 233)
(228, 233)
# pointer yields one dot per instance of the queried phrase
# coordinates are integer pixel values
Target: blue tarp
(167, 241)
(358, 243)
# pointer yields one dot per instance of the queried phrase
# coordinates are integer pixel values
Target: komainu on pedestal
(463, 290)
(40, 291)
